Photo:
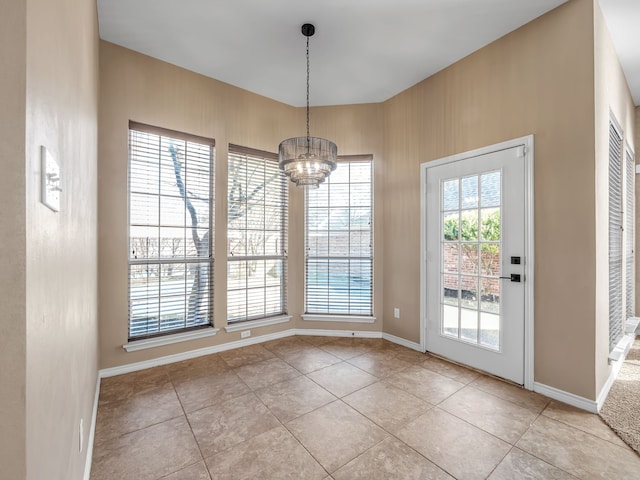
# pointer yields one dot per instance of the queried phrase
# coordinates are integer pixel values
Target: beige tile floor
(342, 409)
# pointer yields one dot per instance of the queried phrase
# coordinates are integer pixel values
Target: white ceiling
(363, 50)
(623, 20)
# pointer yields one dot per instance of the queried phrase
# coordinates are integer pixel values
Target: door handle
(514, 277)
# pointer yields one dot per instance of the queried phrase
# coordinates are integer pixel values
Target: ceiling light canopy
(307, 161)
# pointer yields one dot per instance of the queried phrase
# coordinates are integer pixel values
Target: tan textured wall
(537, 80)
(61, 302)
(612, 97)
(136, 87)
(12, 240)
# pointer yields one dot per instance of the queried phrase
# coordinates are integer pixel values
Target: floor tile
(518, 464)
(390, 460)
(262, 374)
(286, 345)
(422, 383)
(212, 389)
(462, 450)
(449, 369)
(387, 405)
(136, 412)
(196, 368)
(316, 340)
(310, 359)
(229, 423)
(577, 452)
(245, 355)
(342, 378)
(335, 434)
(492, 414)
(275, 454)
(379, 363)
(345, 348)
(411, 356)
(513, 393)
(582, 420)
(292, 398)
(146, 454)
(197, 471)
(124, 386)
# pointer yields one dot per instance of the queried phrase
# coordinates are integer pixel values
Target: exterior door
(475, 239)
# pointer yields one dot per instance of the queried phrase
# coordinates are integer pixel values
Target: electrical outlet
(81, 435)
(396, 312)
(245, 334)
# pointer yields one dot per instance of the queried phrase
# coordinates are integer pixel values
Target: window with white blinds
(170, 231)
(629, 216)
(257, 235)
(339, 241)
(615, 236)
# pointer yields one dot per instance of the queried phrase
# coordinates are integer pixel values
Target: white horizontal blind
(339, 241)
(257, 235)
(170, 235)
(629, 180)
(615, 236)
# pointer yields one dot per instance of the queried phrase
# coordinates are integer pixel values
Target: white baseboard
(566, 397)
(403, 342)
(92, 432)
(178, 357)
(337, 333)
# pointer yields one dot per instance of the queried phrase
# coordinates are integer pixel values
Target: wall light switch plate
(396, 312)
(50, 180)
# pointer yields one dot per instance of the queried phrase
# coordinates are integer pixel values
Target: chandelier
(307, 161)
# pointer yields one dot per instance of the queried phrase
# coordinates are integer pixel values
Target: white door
(475, 239)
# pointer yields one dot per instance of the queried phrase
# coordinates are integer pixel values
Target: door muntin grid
(470, 252)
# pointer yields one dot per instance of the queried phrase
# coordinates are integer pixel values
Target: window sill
(136, 345)
(338, 318)
(262, 322)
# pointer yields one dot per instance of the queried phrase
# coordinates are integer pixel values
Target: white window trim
(261, 322)
(146, 343)
(338, 318)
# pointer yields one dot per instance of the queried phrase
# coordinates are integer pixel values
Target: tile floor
(341, 409)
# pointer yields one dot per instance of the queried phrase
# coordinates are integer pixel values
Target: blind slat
(615, 237)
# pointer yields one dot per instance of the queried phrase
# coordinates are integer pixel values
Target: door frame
(527, 142)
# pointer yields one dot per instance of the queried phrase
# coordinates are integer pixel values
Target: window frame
(159, 336)
(238, 322)
(356, 317)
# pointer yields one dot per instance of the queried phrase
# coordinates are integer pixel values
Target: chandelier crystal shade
(307, 161)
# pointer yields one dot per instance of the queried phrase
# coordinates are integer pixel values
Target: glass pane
(490, 259)
(255, 273)
(255, 302)
(339, 175)
(361, 172)
(490, 295)
(339, 195)
(469, 192)
(236, 274)
(318, 197)
(469, 226)
(360, 194)
(172, 242)
(173, 213)
(237, 241)
(490, 330)
(450, 320)
(451, 289)
(451, 194)
(469, 258)
(450, 226)
(490, 189)
(451, 260)
(490, 224)
(469, 291)
(143, 242)
(143, 209)
(469, 325)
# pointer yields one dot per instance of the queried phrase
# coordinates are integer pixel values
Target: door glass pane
(471, 260)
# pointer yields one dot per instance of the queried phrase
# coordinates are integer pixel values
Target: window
(615, 236)
(257, 235)
(629, 216)
(170, 235)
(339, 241)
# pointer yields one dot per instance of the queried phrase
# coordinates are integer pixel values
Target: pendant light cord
(308, 135)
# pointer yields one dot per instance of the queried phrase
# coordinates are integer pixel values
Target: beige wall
(13, 349)
(612, 98)
(537, 80)
(136, 87)
(61, 260)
